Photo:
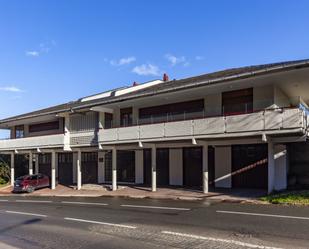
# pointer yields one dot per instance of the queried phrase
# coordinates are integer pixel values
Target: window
(172, 112)
(44, 126)
(237, 102)
(126, 117)
(108, 120)
(19, 131)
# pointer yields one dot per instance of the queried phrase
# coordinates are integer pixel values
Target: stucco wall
(280, 167)
(223, 166)
(280, 98)
(176, 167)
(263, 97)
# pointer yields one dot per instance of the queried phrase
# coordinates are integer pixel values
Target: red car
(29, 183)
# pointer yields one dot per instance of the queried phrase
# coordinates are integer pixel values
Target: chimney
(135, 83)
(165, 77)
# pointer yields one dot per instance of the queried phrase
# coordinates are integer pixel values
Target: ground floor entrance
(45, 164)
(249, 166)
(89, 167)
(162, 167)
(65, 168)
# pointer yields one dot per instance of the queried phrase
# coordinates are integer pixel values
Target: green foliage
(4, 173)
(294, 198)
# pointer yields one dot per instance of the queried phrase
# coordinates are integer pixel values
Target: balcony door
(237, 102)
(126, 117)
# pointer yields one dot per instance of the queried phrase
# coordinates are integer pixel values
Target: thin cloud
(123, 61)
(32, 53)
(11, 89)
(43, 48)
(146, 69)
(199, 58)
(174, 60)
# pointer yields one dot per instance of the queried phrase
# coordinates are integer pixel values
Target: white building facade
(228, 129)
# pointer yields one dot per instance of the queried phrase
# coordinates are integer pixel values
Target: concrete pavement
(104, 222)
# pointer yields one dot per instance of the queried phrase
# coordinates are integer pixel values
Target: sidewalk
(228, 195)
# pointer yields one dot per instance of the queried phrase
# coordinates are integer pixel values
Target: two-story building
(237, 128)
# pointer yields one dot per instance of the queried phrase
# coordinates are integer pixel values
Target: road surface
(42, 222)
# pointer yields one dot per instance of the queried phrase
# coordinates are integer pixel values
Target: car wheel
(30, 189)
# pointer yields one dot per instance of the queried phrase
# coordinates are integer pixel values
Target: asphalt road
(33, 222)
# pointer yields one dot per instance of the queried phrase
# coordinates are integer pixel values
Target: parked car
(29, 183)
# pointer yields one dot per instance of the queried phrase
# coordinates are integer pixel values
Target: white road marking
(84, 203)
(3, 200)
(100, 223)
(33, 201)
(155, 207)
(235, 242)
(265, 215)
(30, 214)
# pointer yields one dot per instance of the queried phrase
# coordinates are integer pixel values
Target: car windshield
(21, 178)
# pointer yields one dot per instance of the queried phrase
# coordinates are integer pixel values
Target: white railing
(267, 120)
(32, 142)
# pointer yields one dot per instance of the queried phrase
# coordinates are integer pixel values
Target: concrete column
(53, 170)
(153, 169)
(271, 167)
(30, 163)
(205, 168)
(37, 163)
(114, 169)
(67, 146)
(79, 170)
(12, 168)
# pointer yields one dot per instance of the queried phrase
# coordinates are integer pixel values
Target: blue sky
(56, 51)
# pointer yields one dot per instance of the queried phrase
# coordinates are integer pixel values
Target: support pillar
(79, 170)
(114, 169)
(37, 164)
(53, 170)
(153, 169)
(12, 168)
(271, 167)
(205, 168)
(30, 163)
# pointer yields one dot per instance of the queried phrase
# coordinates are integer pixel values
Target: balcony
(271, 121)
(49, 141)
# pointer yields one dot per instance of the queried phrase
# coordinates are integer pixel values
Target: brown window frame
(242, 100)
(48, 126)
(19, 128)
(126, 117)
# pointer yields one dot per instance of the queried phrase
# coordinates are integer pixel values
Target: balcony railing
(266, 120)
(48, 141)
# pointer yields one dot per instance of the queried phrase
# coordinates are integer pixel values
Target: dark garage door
(45, 164)
(244, 156)
(21, 165)
(125, 166)
(89, 167)
(65, 168)
(192, 167)
(162, 167)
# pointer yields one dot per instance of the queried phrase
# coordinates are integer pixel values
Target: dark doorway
(45, 164)
(211, 166)
(108, 166)
(21, 165)
(192, 166)
(246, 156)
(125, 166)
(65, 168)
(147, 167)
(89, 167)
(162, 167)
